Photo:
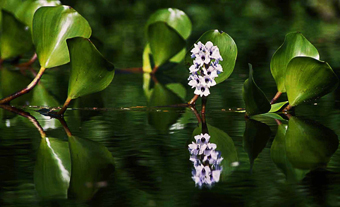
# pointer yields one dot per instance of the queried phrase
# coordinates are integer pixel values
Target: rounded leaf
(51, 27)
(255, 100)
(308, 78)
(90, 71)
(228, 51)
(295, 44)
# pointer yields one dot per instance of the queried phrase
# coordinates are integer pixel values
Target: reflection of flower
(206, 161)
(205, 67)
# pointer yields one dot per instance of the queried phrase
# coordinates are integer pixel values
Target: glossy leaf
(308, 78)
(51, 27)
(228, 51)
(163, 118)
(10, 5)
(25, 11)
(255, 139)
(164, 42)
(225, 145)
(255, 100)
(309, 144)
(279, 156)
(92, 163)
(174, 18)
(295, 44)
(90, 71)
(15, 38)
(277, 106)
(52, 169)
(147, 68)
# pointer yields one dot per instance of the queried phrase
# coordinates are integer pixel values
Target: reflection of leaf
(277, 106)
(295, 44)
(52, 169)
(255, 138)
(11, 82)
(308, 78)
(15, 39)
(225, 145)
(309, 144)
(41, 97)
(51, 27)
(228, 51)
(279, 157)
(255, 100)
(162, 96)
(90, 71)
(164, 42)
(92, 163)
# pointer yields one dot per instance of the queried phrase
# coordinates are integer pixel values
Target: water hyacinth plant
(206, 160)
(205, 67)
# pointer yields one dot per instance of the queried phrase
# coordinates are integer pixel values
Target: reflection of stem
(131, 70)
(64, 124)
(1, 60)
(289, 107)
(277, 95)
(193, 100)
(278, 122)
(204, 103)
(30, 62)
(62, 110)
(25, 90)
(196, 114)
(288, 116)
(154, 70)
(154, 78)
(26, 115)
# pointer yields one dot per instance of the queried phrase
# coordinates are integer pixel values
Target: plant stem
(62, 110)
(25, 90)
(204, 103)
(289, 107)
(30, 62)
(204, 125)
(193, 100)
(64, 124)
(277, 95)
(154, 70)
(196, 114)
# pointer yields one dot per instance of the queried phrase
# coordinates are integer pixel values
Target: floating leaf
(90, 71)
(15, 38)
(295, 44)
(309, 144)
(308, 78)
(25, 11)
(277, 106)
(279, 156)
(225, 145)
(228, 51)
(52, 169)
(92, 164)
(255, 139)
(51, 27)
(164, 42)
(255, 100)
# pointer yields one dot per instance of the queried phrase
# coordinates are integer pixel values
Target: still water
(120, 149)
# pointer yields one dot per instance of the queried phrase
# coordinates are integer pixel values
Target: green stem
(193, 100)
(62, 110)
(277, 95)
(25, 90)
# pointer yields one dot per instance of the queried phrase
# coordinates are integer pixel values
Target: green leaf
(92, 164)
(277, 106)
(51, 27)
(90, 71)
(41, 97)
(228, 51)
(309, 144)
(163, 118)
(26, 10)
(295, 44)
(255, 100)
(174, 18)
(270, 115)
(308, 78)
(164, 42)
(255, 139)
(15, 38)
(12, 82)
(279, 156)
(10, 5)
(147, 68)
(225, 145)
(52, 169)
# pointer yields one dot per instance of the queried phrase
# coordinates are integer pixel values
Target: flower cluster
(206, 161)
(205, 67)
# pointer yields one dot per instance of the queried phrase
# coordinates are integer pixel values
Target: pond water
(125, 146)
